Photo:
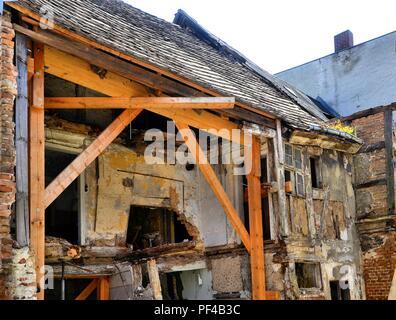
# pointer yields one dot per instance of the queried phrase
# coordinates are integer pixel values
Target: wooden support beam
(21, 142)
(273, 295)
(30, 67)
(281, 153)
(77, 167)
(279, 159)
(257, 257)
(214, 182)
(154, 279)
(37, 168)
(78, 71)
(88, 290)
(104, 289)
(144, 103)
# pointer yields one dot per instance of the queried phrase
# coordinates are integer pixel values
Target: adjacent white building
(352, 79)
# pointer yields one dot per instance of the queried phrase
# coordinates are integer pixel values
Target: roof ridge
(169, 47)
(285, 88)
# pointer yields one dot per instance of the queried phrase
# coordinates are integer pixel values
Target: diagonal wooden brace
(77, 167)
(214, 183)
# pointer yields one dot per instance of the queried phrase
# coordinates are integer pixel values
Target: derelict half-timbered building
(82, 82)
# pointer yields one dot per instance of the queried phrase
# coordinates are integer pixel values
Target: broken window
(264, 170)
(154, 227)
(289, 154)
(315, 173)
(298, 158)
(300, 184)
(308, 275)
(62, 216)
(294, 176)
(339, 292)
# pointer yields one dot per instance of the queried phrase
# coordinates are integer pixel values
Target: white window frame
(295, 172)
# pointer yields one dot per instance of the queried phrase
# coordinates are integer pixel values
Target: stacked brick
(7, 150)
(379, 269)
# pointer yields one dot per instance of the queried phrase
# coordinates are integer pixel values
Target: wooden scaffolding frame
(52, 54)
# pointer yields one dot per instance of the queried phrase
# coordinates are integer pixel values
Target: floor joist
(143, 103)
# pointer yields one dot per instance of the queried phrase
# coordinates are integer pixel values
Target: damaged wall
(322, 228)
(376, 219)
(127, 284)
(22, 275)
(17, 273)
(120, 178)
(7, 154)
(370, 167)
(379, 256)
(197, 285)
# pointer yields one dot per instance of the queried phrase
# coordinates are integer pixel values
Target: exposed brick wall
(371, 128)
(379, 267)
(7, 150)
(370, 168)
(376, 234)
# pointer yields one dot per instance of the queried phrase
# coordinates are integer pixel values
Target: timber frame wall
(69, 57)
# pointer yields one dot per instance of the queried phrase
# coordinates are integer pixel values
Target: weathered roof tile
(173, 48)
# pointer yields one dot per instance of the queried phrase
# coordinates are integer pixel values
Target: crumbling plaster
(314, 221)
(121, 178)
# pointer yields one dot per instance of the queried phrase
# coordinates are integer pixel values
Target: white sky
(279, 34)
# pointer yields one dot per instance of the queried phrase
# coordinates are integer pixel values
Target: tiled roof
(170, 47)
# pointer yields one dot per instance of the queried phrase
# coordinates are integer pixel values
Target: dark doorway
(264, 204)
(153, 227)
(315, 173)
(172, 286)
(338, 293)
(73, 288)
(62, 215)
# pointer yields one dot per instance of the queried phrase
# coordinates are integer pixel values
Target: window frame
(318, 275)
(288, 145)
(295, 171)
